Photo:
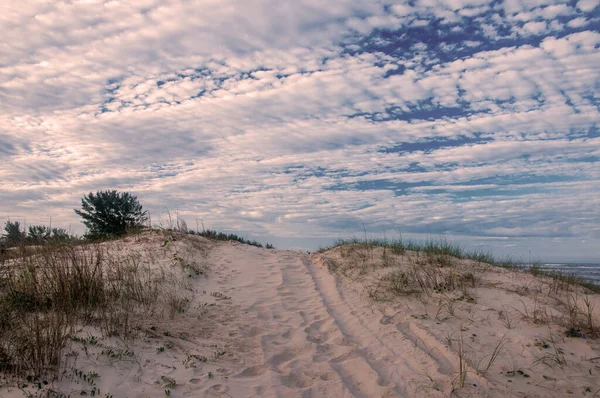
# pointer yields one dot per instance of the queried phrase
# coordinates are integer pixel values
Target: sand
(276, 323)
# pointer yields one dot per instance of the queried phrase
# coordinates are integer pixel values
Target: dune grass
(46, 294)
(561, 278)
(442, 247)
(431, 246)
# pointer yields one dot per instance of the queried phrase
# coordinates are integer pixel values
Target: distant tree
(60, 234)
(38, 234)
(111, 213)
(13, 233)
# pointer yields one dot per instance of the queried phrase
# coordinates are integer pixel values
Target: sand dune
(273, 323)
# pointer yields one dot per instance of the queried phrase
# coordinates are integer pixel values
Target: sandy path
(315, 339)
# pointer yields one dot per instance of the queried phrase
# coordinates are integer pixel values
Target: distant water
(590, 272)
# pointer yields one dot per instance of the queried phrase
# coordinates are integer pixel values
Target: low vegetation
(35, 235)
(443, 252)
(46, 295)
(214, 235)
(403, 271)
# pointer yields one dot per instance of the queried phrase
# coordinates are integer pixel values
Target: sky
(299, 122)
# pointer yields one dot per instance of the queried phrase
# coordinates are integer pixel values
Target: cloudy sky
(301, 121)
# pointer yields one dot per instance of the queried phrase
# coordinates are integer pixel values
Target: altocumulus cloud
(473, 119)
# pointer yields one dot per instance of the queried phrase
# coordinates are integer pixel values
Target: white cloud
(402, 10)
(587, 5)
(577, 22)
(270, 116)
(534, 28)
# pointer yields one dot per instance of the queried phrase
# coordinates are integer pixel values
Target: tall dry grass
(46, 293)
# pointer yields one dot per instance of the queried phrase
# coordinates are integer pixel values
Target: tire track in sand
(316, 342)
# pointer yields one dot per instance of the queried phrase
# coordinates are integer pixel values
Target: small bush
(38, 234)
(393, 284)
(111, 213)
(13, 233)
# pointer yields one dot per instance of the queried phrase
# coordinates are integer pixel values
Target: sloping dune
(274, 323)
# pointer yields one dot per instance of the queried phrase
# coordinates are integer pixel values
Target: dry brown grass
(47, 292)
(402, 273)
(387, 273)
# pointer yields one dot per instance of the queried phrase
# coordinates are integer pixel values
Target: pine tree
(109, 213)
(13, 233)
(38, 234)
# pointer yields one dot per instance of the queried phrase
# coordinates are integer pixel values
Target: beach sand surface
(277, 323)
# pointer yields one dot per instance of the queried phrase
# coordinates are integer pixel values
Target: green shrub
(111, 213)
(13, 233)
(38, 234)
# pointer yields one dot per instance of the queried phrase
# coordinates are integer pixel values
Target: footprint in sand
(253, 371)
(254, 331)
(343, 341)
(345, 357)
(218, 390)
(287, 355)
(297, 380)
(291, 334)
(383, 383)
(314, 336)
(264, 316)
(320, 358)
